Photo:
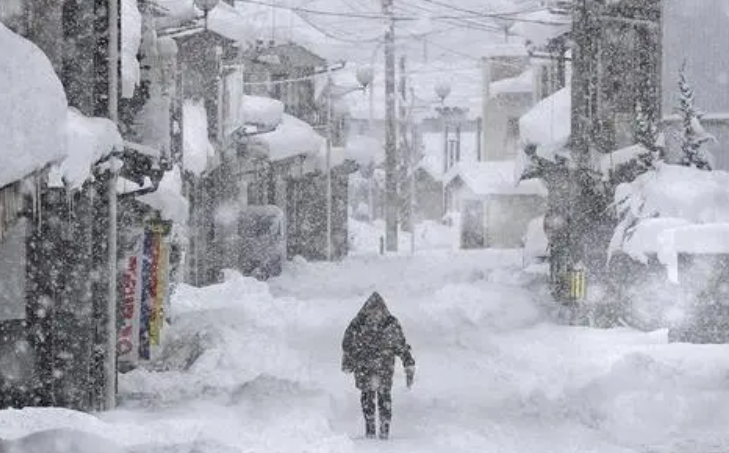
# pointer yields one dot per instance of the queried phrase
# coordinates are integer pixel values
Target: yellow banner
(578, 284)
(160, 282)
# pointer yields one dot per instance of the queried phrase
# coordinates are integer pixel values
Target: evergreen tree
(646, 134)
(694, 137)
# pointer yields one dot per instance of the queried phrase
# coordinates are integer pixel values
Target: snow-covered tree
(647, 135)
(694, 136)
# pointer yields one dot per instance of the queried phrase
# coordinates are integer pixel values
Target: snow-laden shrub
(663, 199)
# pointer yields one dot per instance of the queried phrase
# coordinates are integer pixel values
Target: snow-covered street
(253, 367)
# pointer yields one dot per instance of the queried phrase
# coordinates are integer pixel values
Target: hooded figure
(371, 342)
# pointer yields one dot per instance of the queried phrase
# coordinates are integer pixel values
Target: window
(512, 137)
(452, 152)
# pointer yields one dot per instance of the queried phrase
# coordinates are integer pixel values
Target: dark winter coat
(370, 345)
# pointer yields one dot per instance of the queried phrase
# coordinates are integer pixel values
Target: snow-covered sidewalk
(255, 367)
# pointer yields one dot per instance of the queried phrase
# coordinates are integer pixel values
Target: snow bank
(549, 121)
(88, 140)
(131, 38)
(221, 337)
(197, 148)
(60, 441)
(655, 395)
(482, 305)
(168, 198)
(33, 110)
(536, 243)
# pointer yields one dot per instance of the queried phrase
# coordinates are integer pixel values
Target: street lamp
(206, 6)
(442, 90)
(365, 75)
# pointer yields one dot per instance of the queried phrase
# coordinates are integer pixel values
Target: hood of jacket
(374, 304)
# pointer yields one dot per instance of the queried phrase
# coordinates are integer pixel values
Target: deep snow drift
(255, 367)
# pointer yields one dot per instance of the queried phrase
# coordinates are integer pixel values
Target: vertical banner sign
(147, 296)
(160, 269)
(128, 336)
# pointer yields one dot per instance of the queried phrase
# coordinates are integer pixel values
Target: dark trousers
(382, 401)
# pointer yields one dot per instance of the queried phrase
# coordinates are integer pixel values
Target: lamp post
(206, 6)
(364, 77)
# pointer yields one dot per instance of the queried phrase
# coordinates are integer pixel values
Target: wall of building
(501, 125)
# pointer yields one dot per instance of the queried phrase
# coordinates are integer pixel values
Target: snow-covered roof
(88, 140)
(549, 121)
(225, 20)
(677, 191)
(230, 22)
(610, 161)
(645, 238)
(291, 138)
(33, 109)
(261, 111)
(131, 37)
(497, 178)
(168, 199)
(196, 146)
(692, 239)
(699, 239)
(364, 150)
(504, 50)
(523, 83)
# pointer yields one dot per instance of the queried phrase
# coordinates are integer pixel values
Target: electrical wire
(381, 17)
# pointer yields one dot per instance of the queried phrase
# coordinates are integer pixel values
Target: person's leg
(368, 408)
(384, 403)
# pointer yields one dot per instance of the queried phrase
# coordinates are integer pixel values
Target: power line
(380, 17)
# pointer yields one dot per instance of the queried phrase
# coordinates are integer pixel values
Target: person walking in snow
(371, 342)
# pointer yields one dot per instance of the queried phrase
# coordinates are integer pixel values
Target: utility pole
(110, 327)
(405, 157)
(414, 156)
(391, 192)
(329, 162)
